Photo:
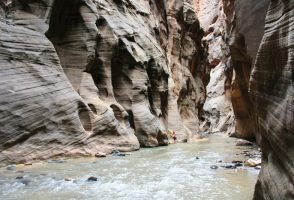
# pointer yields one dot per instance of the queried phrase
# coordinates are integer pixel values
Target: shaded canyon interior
(81, 77)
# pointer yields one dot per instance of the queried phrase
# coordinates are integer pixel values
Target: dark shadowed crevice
(84, 116)
(92, 107)
(131, 119)
(65, 15)
(117, 113)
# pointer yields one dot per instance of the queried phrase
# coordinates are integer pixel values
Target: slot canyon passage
(89, 86)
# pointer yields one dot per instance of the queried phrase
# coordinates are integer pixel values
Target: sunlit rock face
(271, 88)
(81, 77)
(218, 21)
(228, 107)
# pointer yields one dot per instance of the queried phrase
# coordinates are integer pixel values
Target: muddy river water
(168, 173)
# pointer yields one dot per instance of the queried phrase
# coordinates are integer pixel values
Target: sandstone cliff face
(250, 23)
(271, 88)
(228, 107)
(107, 75)
(41, 114)
(217, 17)
(185, 55)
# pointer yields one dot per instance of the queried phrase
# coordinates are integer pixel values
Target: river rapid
(175, 172)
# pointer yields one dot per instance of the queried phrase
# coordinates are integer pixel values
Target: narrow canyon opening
(209, 83)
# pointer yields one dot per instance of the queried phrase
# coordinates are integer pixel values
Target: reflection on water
(160, 173)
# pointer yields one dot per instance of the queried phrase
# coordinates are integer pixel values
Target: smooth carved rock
(271, 88)
(250, 21)
(241, 102)
(218, 20)
(119, 73)
(185, 56)
(42, 116)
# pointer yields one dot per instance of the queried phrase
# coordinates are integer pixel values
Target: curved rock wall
(41, 114)
(228, 107)
(119, 73)
(271, 88)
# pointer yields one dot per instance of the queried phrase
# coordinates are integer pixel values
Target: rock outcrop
(85, 76)
(41, 114)
(228, 107)
(217, 17)
(271, 88)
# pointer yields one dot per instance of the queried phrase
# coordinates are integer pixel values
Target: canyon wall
(271, 89)
(80, 77)
(217, 24)
(227, 108)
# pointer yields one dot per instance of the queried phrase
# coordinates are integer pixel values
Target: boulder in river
(253, 162)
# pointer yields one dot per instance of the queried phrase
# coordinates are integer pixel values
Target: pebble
(100, 155)
(213, 167)
(68, 179)
(257, 167)
(229, 166)
(92, 178)
(238, 164)
(118, 153)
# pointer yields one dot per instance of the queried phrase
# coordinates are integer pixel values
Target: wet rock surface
(92, 179)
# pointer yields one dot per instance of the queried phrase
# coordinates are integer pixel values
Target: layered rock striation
(81, 77)
(42, 116)
(271, 89)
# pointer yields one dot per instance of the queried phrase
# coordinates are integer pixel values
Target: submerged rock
(118, 153)
(25, 181)
(11, 167)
